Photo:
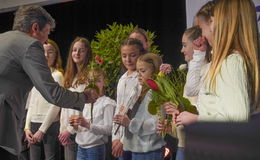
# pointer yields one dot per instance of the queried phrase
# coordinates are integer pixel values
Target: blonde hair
(235, 28)
(71, 68)
(153, 59)
(57, 62)
(95, 72)
(207, 10)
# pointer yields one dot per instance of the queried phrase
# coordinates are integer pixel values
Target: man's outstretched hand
(91, 95)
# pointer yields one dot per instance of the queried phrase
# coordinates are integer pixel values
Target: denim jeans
(127, 155)
(180, 153)
(93, 153)
(152, 155)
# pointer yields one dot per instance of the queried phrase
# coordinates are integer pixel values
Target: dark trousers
(49, 145)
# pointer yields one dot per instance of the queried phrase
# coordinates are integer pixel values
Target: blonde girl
(140, 134)
(94, 128)
(230, 90)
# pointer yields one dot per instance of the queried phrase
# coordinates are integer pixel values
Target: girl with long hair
(42, 119)
(231, 87)
(130, 50)
(79, 56)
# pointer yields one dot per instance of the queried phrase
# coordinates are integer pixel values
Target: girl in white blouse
(42, 120)
(194, 48)
(79, 56)
(140, 134)
(231, 87)
(94, 128)
(127, 90)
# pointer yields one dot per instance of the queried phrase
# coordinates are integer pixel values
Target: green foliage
(106, 47)
(171, 88)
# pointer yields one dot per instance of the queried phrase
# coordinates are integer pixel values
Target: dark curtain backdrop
(167, 18)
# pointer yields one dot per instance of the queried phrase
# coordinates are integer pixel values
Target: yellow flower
(161, 74)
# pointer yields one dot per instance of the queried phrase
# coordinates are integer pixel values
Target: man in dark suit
(22, 66)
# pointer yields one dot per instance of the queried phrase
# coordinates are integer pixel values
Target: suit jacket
(22, 66)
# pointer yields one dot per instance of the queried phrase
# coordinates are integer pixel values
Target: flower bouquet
(168, 86)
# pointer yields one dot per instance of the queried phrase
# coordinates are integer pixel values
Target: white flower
(183, 66)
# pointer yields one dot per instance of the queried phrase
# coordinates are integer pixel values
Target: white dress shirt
(128, 90)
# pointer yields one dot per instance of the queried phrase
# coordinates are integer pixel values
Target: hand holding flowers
(167, 90)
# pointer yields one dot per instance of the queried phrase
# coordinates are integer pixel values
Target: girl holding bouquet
(95, 124)
(79, 56)
(195, 55)
(196, 51)
(140, 134)
(127, 91)
(201, 44)
(231, 88)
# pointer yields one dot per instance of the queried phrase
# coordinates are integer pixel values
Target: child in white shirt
(141, 138)
(127, 91)
(95, 124)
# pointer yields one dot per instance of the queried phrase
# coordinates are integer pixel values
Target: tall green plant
(106, 49)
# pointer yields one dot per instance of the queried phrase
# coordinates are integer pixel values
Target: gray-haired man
(23, 65)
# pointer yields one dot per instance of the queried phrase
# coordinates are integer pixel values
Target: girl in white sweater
(141, 138)
(95, 124)
(42, 120)
(127, 91)
(231, 88)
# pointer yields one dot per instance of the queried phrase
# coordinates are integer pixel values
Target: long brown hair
(235, 28)
(71, 68)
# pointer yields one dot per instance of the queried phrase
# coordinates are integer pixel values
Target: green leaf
(152, 108)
